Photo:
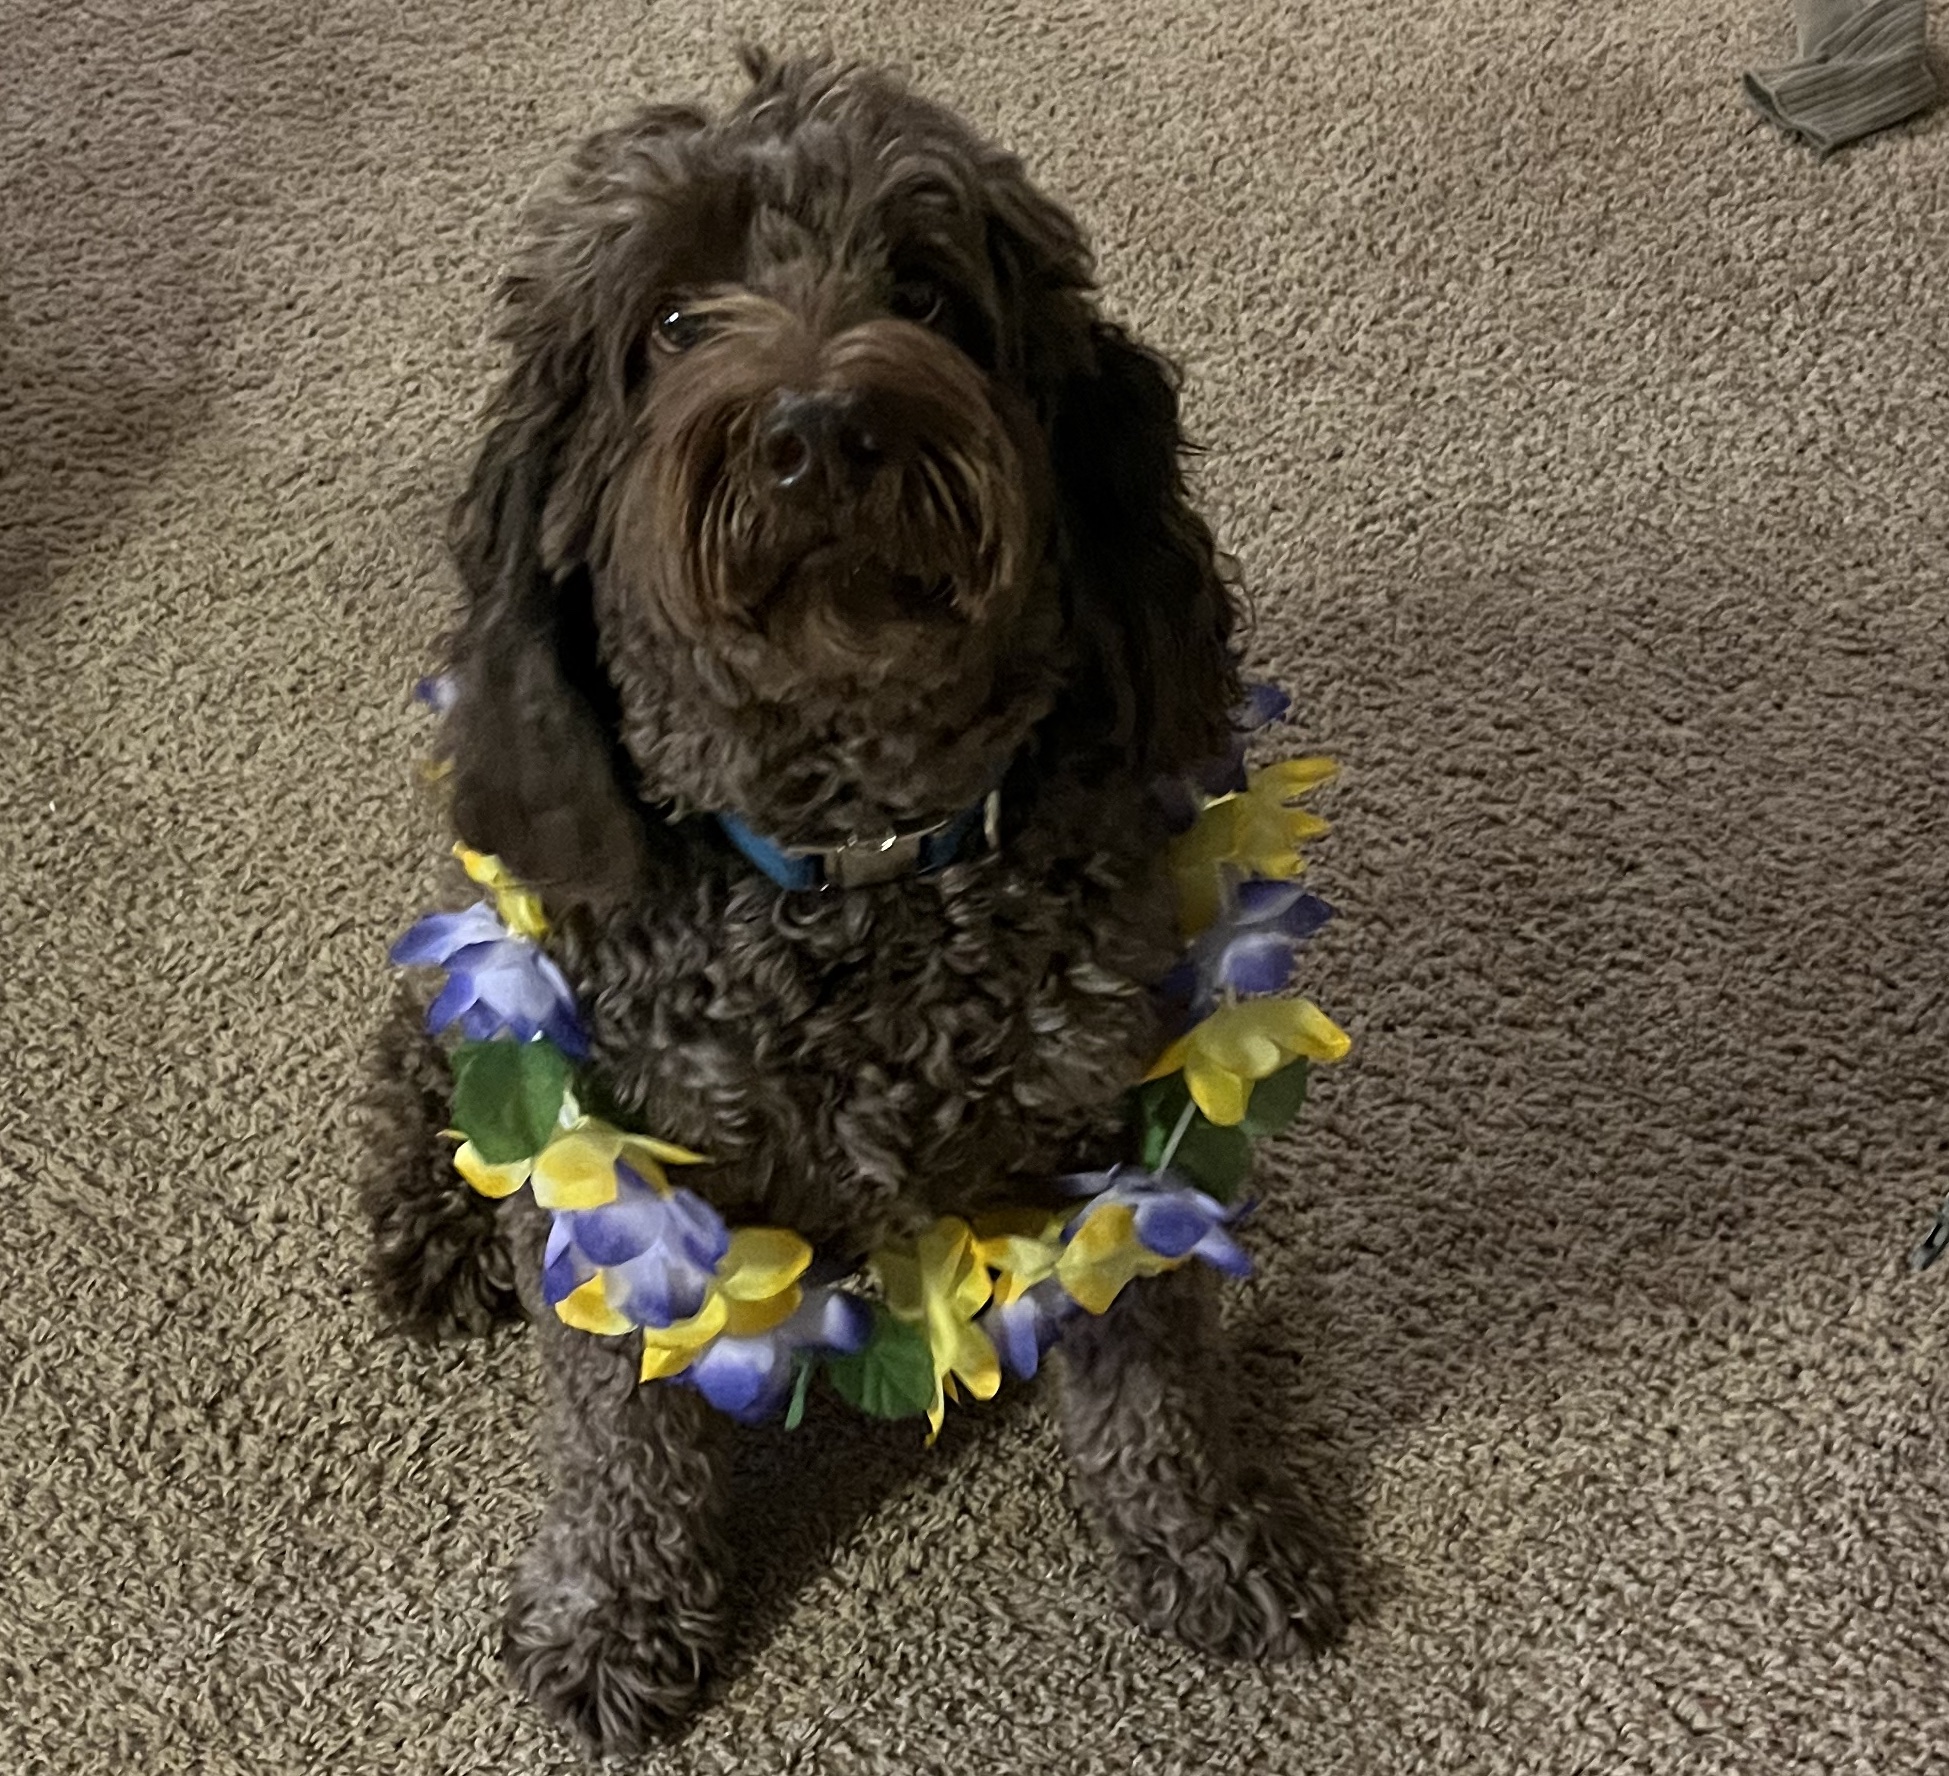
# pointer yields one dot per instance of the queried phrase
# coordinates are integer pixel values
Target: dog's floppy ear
(1150, 608)
(539, 777)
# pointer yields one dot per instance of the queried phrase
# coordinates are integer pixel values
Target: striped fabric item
(1862, 68)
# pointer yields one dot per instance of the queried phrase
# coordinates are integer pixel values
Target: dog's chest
(879, 1055)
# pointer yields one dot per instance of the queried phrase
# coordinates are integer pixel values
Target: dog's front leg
(1202, 1552)
(616, 1610)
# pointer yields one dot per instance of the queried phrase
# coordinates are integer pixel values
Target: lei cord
(733, 1312)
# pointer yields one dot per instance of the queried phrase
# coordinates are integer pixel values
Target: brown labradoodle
(820, 494)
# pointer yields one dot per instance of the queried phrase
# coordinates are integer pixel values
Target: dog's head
(817, 492)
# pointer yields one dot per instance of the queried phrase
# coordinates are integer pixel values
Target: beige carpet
(1587, 444)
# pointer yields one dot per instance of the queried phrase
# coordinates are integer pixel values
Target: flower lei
(735, 1312)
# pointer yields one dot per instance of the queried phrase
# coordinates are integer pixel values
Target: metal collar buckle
(864, 863)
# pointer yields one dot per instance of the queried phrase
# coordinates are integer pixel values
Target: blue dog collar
(861, 863)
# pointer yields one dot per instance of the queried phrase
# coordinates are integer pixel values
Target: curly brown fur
(820, 492)
(616, 1609)
(1204, 1549)
(436, 1261)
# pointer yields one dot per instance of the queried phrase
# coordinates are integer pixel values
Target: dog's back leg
(438, 1262)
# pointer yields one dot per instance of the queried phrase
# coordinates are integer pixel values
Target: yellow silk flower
(756, 1287)
(939, 1284)
(1238, 1045)
(1257, 832)
(519, 907)
(1024, 1247)
(577, 1169)
(1104, 1255)
(1021, 1247)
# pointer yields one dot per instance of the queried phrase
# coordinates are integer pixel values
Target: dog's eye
(678, 328)
(920, 300)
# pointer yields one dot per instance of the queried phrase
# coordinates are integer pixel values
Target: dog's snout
(826, 439)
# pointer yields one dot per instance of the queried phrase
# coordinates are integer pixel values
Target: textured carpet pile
(1585, 444)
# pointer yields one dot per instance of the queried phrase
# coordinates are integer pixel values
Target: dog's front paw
(621, 1670)
(1248, 1582)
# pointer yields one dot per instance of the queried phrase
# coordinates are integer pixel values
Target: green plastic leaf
(1157, 1106)
(893, 1376)
(507, 1096)
(801, 1381)
(1218, 1160)
(1276, 1101)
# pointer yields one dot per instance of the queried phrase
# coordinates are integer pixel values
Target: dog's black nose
(810, 439)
